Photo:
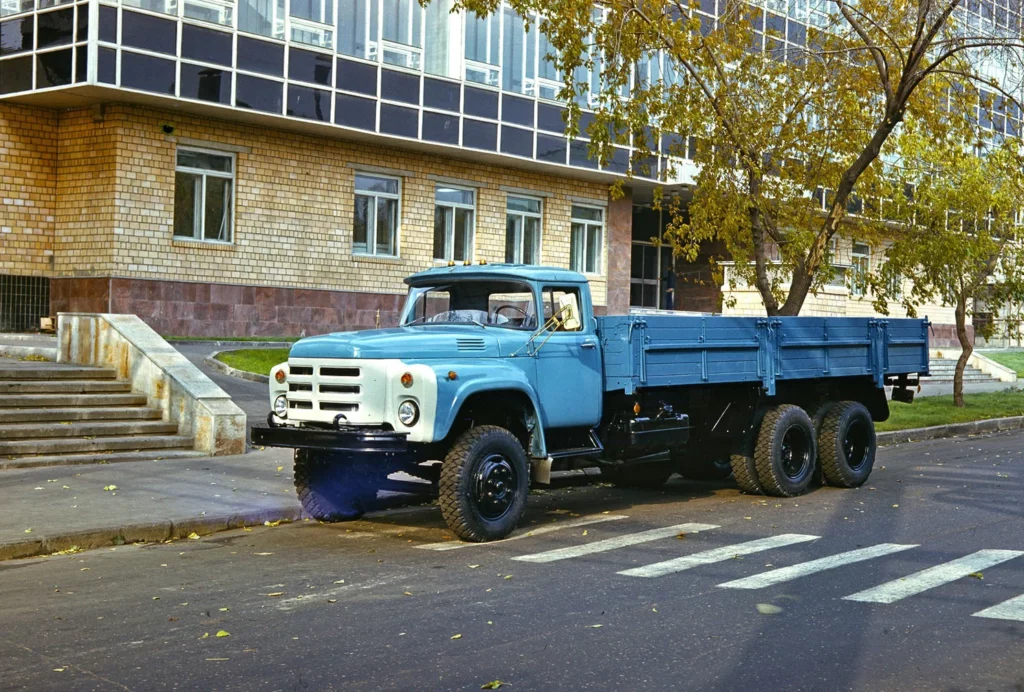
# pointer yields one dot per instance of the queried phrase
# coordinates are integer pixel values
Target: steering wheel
(525, 315)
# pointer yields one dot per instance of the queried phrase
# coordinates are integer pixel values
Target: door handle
(589, 343)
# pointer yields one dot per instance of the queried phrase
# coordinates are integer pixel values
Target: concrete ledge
(977, 427)
(200, 408)
(217, 364)
(979, 361)
(26, 351)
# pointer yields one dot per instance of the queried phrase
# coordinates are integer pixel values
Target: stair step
(66, 400)
(96, 458)
(53, 446)
(26, 431)
(63, 387)
(84, 413)
(55, 371)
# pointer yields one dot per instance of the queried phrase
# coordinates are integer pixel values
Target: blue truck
(499, 375)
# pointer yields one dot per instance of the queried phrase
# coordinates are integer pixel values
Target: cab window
(565, 304)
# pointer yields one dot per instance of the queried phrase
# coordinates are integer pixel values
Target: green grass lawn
(1011, 359)
(240, 339)
(257, 360)
(939, 410)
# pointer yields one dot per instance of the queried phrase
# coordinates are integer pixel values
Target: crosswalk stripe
(783, 574)
(708, 557)
(613, 543)
(1012, 609)
(547, 528)
(932, 577)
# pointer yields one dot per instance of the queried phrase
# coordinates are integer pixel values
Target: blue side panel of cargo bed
(673, 350)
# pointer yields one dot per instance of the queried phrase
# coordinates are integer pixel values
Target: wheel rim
(496, 486)
(855, 444)
(795, 452)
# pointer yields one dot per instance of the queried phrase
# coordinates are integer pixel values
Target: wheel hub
(855, 445)
(495, 486)
(795, 452)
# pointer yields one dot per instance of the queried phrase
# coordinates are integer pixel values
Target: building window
(860, 265)
(482, 47)
(519, 58)
(375, 230)
(403, 23)
(522, 230)
(586, 241)
(358, 27)
(453, 223)
(204, 200)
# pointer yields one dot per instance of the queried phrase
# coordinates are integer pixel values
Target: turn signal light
(280, 376)
(452, 375)
(407, 380)
(636, 408)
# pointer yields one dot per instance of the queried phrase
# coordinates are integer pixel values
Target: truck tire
(641, 476)
(332, 488)
(744, 472)
(846, 444)
(785, 451)
(484, 484)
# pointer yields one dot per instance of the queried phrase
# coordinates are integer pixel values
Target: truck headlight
(281, 406)
(408, 413)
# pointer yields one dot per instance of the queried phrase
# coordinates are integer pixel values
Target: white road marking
(322, 596)
(546, 528)
(613, 543)
(933, 576)
(1012, 609)
(783, 574)
(708, 557)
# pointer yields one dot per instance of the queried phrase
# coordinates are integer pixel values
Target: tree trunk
(968, 348)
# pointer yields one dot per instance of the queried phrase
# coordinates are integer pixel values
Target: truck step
(53, 430)
(97, 458)
(66, 400)
(51, 446)
(63, 387)
(83, 413)
(53, 371)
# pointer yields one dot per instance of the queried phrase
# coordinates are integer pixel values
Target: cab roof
(524, 272)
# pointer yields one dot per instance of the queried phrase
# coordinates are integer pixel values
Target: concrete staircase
(54, 414)
(942, 370)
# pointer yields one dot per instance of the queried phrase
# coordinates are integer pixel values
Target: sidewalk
(51, 509)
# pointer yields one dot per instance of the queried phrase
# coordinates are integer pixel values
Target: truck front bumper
(355, 441)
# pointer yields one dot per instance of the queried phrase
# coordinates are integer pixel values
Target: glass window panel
(442, 220)
(386, 225)
(147, 73)
(106, 66)
(217, 213)
(213, 11)
(149, 33)
(259, 94)
(550, 118)
(551, 149)
(205, 83)
(16, 35)
(513, 237)
(579, 155)
(516, 141)
(52, 69)
(16, 7)
(482, 36)
(357, 28)
(321, 11)
(188, 187)
(463, 234)
(260, 56)
(399, 86)
(403, 122)
(517, 60)
(352, 111)
(187, 158)
(547, 68)
(479, 135)
(206, 45)
(480, 103)
(372, 183)
(152, 5)
(82, 64)
(587, 213)
(517, 110)
(454, 195)
(531, 240)
(593, 265)
(360, 223)
(263, 17)
(443, 53)
(576, 241)
(82, 29)
(402, 25)
(312, 104)
(440, 94)
(307, 66)
(439, 127)
(357, 76)
(108, 24)
(525, 204)
(16, 75)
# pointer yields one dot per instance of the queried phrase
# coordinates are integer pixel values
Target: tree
(958, 241)
(788, 133)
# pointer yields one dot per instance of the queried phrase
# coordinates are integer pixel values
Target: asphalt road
(374, 605)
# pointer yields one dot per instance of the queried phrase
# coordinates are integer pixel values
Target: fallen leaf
(194, 536)
(223, 633)
(224, 610)
(262, 554)
(332, 600)
(594, 627)
(408, 593)
(895, 506)
(492, 685)
(280, 468)
(654, 610)
(340, 581)
(61, 670)
(508, 576)
(680, 536)
(272, 523)
(276, 594)
(156, 598)
(110, 488)
(768, 609)
(456, 636)
(473, 566)
(206, 635)
(218, 659)
(584, 532)
(28, 530)
(976, 575)
(489, 622)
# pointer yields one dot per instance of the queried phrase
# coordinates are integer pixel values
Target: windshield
(506, 304)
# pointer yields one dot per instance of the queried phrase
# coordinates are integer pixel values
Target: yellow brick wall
(294, 208)
(28, 154)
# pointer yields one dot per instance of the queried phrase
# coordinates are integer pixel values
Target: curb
(237, 344)
(937, 432)
(216, 364)
(25, 351)
(150, 532)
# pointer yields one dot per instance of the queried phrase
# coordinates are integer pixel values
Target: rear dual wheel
(847, 444)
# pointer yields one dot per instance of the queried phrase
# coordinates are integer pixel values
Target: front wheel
(332, 487)
(484, 484)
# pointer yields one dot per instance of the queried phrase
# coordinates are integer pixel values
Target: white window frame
(449, 232)
(371, 221)
(200, 201)
(587, 224)
(860, 263)
(518, 258)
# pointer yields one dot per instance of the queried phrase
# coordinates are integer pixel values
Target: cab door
(569, 379)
